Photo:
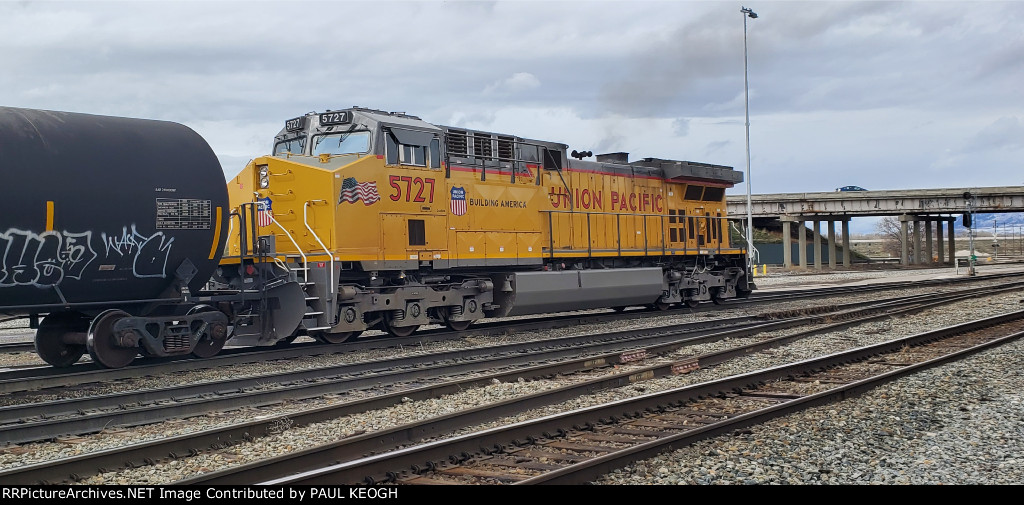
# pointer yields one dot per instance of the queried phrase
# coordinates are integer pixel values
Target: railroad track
(41, 377)
(649, 347)
(577, 447)
(31, 420)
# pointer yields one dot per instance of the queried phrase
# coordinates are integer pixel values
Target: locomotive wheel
(716, 296)
(337, 338)
(455, 325)
(398, 331)
(48, 341)
(101, 341)
(207, 345)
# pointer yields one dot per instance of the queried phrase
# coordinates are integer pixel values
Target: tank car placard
(182, 214)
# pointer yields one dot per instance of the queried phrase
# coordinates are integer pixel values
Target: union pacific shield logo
(264, 211)
(458, 201)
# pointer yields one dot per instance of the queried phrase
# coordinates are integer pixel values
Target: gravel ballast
(956, 424)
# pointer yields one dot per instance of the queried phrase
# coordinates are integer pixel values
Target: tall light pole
(746, 104)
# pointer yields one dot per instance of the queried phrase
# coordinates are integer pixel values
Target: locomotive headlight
(264, 177)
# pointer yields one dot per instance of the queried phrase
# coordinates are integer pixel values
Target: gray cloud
(894, 94)
(1006, 133)
(681, 126)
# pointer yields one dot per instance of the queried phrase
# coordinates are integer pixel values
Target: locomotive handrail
(305, 220)
(305, 263)
(231, 229)
(290, 214)
(514, 141)
(755, 256)
(567, 190)
(618, 238)
(517, 162)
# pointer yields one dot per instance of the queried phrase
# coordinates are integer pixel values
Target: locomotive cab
(353, 203)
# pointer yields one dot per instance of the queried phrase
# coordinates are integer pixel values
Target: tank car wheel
(208, 346)
(691, 303)
(662, 305)
(285, 342)
(337, 338)
(101, 341)
(49, 339)
(398, 331)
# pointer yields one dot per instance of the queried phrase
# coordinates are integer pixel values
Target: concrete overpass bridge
(919, 210)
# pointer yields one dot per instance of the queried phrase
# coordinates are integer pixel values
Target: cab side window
(411, 147)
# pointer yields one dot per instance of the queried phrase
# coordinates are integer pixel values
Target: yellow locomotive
(365, 219)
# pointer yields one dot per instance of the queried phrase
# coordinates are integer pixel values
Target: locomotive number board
(329, 118)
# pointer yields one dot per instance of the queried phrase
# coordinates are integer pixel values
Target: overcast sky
(884, 95)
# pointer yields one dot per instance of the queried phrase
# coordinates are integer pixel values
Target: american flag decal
(458, 201)
(264, 212)
(353, 191)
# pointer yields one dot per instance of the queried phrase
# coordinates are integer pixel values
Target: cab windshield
(290, 146)
(341, 143)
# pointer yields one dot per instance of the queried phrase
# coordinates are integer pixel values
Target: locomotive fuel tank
(99, 211)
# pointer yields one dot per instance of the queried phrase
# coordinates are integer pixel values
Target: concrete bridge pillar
(952, 245)
(928, 240)
(831, 244)
(846, 242)
(787, 244)
(817, 245)
(904, 243)
(938, 241)
(802, 244)
(915, 258)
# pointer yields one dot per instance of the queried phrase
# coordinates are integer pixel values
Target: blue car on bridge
(851, 188)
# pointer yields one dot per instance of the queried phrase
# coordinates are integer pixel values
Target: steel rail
(406, 463)
(142, 453)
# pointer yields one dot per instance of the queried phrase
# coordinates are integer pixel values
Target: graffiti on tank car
(43, 259)
(150, 252)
